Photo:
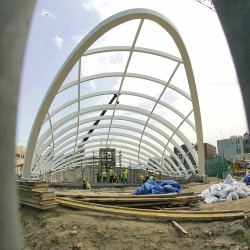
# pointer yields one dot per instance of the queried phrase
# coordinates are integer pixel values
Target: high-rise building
(228, 148)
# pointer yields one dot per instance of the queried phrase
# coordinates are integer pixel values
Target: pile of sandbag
(225, 191)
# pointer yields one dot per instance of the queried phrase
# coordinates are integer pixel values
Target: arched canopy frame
(45, 147)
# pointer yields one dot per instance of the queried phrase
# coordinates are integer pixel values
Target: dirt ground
(65, 228)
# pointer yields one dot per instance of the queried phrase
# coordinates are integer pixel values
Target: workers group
(111, 177)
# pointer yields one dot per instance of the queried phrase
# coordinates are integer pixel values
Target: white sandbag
(234, 196)
(204, 192)
(224, 185)
(241, 193)
(214, 189)
(222, 199)
(210, 198)
(224, 194)
(229, 197)
(229, 189)
(229, 179)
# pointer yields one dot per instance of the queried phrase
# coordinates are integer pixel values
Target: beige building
(20, 154)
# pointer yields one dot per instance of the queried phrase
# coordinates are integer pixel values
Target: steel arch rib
(133, 120)
(128, 108)
(95, 94)
(96, 33)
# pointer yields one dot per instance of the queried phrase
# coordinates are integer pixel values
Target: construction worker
(141, 178)
(151, 177)
(125, 175)
(111, 175)
(104, 176)
(85, 184)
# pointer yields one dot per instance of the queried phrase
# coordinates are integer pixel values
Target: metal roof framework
(139, 122)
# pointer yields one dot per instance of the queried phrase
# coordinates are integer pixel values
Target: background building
(228, 148)
(20, 154)
(209, 151)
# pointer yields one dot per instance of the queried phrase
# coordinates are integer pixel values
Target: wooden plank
(41, 193)
(154, 214)
(30, 200)
(38, 198)
(120, 196)
(177, 208)
(141, 200)
(30, 189)
(43, 207)
(148, 204)
(33, 183)
(182, 232)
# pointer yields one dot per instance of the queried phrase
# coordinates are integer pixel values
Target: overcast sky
(58, 26)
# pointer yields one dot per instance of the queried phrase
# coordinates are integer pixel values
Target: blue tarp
(165, 187)
(247, 179)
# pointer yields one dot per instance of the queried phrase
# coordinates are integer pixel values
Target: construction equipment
(239, 168)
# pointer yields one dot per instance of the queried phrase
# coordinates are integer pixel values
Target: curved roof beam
(127, 108)
(97, 94)
(135, 49)
(131, 75)
(119, 134)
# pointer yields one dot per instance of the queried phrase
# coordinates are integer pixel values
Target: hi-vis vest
(125, 174)
(111, 172)
(104, 174)
(88, 185)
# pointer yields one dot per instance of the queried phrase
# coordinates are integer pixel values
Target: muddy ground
(65, 228)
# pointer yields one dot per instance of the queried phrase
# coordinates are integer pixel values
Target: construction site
(116, 159)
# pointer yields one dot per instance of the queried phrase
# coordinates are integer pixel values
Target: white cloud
(58, 41)
(46, 13)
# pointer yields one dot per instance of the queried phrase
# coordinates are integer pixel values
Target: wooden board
(30, 189)
(120, 196)
(43, 207)
(35, 184)
(41, 193)
(154, 214)
(142, 200)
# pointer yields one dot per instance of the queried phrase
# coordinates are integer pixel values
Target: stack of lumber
(161, 215)
(36, 194)
(138, 201)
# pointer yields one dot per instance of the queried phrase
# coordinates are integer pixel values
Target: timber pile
(161, 215)
(36, 194)
(163, 201)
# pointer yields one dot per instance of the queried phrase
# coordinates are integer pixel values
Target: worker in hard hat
(151, 177)
(85, 184)
(111, 175)
(104, 176)
(125, 175)
(141, 178)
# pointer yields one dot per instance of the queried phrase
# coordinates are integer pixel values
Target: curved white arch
(34, 154)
